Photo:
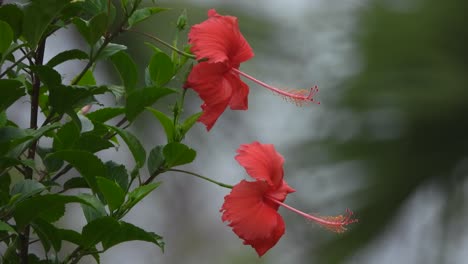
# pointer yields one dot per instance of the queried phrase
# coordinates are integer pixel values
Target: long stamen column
(299, 97)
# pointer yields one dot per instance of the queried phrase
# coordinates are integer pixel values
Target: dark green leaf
(143, 13)
(139, 193)
(48, 76)
(70, 236)
(166, 123)
(117, 173)
(85, 162)
(5, 181)
(98, 230)
(6, 36)
(93, 29)
(112, 192)
(127, 70)
(93, 211)
(128, 232)
(64, 99)
(37, 17)
(77, 182)
(161, 69)
(141, 98)
(13, 15)
(139, 153)
(52, 165)
(66, 136)
(74, 54)
(91, 143)
(48, 234)
(112, 232)
(178, 154)
(49, 207)
(3, 119)
(110, 50)
(11, 91)
(104, 114)
(155, 160)
(6, 227)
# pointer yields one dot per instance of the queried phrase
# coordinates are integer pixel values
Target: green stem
(203, 177)
(191, 56)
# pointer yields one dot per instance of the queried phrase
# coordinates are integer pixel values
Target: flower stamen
(297, 96)
(335, 224)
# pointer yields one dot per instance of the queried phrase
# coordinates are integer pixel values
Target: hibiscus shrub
(65, 133)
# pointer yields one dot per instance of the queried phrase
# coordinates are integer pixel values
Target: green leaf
(66, 136)
(65, 99)
(104, 114)
(141, 98)
(48, 234)
(74, 54)
(26, 188)
(94, 210)
(5, 181)
(70, 236)
(112, 192)
(117, 173)
(139, 193)
(6, 36)
(155, 160)
(52, 165)
(13, 15)
(112, 232)
(87, 79)
(49, 207)
(166, 123)
(6, 227)
(128, 232)
(188, 123)
(93, 29)
(91, 143)
(86, 163)
(74, 183)
(178, 154)
(161, 69)
(110, 50)
(143, 13)
(11, 91)
(138, 152)
(37, 17)
(127, 69)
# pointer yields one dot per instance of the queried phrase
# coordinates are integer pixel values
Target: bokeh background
(389, 140)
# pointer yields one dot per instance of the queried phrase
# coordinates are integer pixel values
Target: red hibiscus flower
(219, 45)
(252, 206)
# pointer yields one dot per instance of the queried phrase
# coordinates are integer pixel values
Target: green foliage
(59, 150)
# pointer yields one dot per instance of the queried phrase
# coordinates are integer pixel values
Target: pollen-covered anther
(337, 223)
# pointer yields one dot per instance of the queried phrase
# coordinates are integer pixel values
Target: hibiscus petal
(240, 92)
(219, 39)
(262, 162)
(208, 80)
(251, 218)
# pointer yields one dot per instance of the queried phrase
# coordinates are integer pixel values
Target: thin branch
(193, 174)
(191, 56)
(15, 63)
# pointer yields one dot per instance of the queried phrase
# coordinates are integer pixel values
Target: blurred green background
(389, 140)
